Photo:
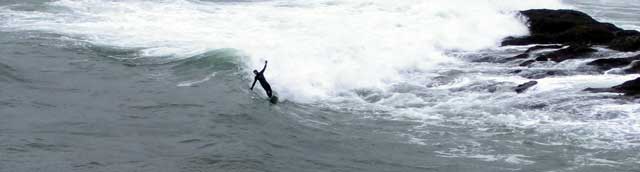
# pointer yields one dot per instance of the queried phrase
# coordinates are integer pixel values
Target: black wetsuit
(263, 82)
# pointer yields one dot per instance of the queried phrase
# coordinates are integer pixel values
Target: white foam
(556, 107)
(317, 48)
(320, 49)
(508, 158)
(196, 82)
(579, 82)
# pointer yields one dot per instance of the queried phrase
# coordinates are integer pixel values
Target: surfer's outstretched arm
(254, 83)
(265, 67)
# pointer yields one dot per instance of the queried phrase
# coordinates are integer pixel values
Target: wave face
(317, 49)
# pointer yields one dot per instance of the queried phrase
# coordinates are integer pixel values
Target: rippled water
(101, 85)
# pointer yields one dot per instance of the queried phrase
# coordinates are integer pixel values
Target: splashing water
(318, 49)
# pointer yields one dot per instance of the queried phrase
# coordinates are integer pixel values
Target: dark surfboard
(273, 99)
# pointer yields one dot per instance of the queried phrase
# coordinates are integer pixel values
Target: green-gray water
(101, 85)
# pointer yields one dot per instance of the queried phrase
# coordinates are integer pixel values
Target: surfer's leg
(267, 88)
(268, 92)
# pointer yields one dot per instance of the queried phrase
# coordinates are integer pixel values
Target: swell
(201, 68)
(324, 48)
(9, 74)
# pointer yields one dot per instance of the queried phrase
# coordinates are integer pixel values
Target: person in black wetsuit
(263, 82)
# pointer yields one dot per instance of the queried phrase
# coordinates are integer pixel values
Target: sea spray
(318, 49)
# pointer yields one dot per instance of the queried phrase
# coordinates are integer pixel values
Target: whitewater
(365, 85)
(333, 46)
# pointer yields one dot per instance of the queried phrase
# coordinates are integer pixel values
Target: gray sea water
(105, 85)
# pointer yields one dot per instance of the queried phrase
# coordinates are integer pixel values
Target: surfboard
(273, 99)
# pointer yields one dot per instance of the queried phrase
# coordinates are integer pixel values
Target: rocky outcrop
(523, 87)
(564, 26)
(526, 55)
(627, 43)
(575, 32)
(527, 63)
(539, 74)
(629, 88)
(610, 63)
(573, 27)
(521, 56)
(634, 68)
(572, 52)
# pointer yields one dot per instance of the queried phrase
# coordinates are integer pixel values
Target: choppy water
(102, 85)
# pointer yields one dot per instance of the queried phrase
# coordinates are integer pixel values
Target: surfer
(263, 82)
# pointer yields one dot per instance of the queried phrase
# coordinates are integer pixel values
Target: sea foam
(317, 49)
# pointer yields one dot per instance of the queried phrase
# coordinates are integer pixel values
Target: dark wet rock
(527, 40)
(531, 105)
(554, 21)
(572, 52)
(592, 34)
(537, 106)
(580, 31)
(625, 33)
(634, 68)
(626, 43)
(626, 40)
(485, 59)
(542, 47)
(564, 26)
(527, 63)
(629, 88)
(573, 27)
(601, 90)
(484, 86)
(523, 87)
(610, 63)
(521, 56)
(539, 74)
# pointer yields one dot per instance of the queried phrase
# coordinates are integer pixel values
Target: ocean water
(365, 85)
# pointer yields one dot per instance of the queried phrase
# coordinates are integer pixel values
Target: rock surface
(523, 87)
(634, 68)
(527, 63)
(629, 88)
(579, 31)
(521, 56)
(573, 27)
(572, 52)
(610, 63)
(627, 43)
